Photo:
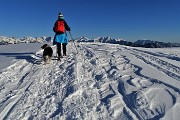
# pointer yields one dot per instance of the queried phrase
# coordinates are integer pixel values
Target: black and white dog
(47, 53)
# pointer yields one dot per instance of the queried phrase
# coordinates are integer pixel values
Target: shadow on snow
(22, 56)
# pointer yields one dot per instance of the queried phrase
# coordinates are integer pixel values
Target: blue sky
(128, 19)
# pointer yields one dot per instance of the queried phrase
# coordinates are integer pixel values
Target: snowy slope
(99, 81)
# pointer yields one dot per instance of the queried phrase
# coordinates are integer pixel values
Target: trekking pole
(73, 41)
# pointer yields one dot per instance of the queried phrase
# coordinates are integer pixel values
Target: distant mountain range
(12, 40)
(138, 43)
(154, 44)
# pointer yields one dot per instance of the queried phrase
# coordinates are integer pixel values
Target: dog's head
(44, 46)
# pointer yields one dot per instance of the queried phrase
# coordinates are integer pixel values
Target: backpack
(59, 27)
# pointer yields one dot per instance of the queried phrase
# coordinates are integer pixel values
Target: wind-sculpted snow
(97, 82)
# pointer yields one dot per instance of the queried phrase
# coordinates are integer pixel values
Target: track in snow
(149, 58)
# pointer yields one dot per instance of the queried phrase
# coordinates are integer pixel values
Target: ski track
(149, 58)
(88, 85)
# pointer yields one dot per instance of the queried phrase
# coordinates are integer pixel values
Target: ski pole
(73, 41)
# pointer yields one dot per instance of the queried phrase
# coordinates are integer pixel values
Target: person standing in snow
(60, 28)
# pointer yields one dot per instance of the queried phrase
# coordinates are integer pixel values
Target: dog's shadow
(24, 56)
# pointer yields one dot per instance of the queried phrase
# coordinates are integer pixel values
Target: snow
(10, 53)
(99, 81)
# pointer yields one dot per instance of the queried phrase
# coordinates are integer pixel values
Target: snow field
(102, 81)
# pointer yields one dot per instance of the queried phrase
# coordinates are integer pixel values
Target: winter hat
(60, 15)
